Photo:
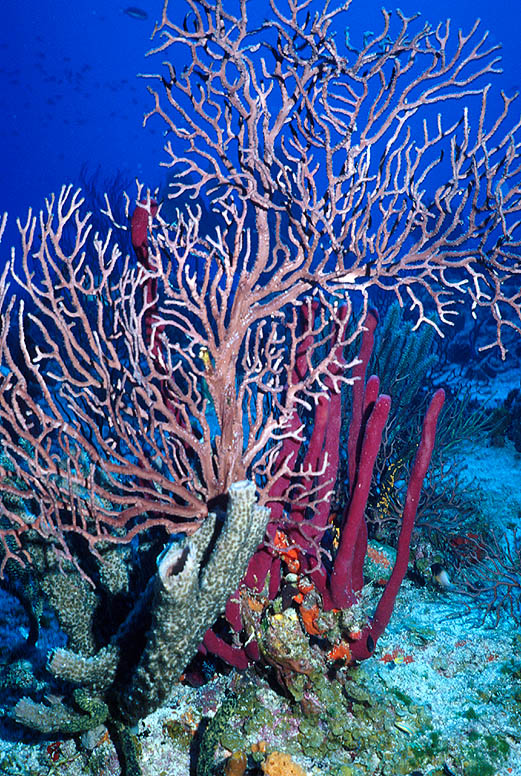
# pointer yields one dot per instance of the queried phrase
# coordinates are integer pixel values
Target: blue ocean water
(70, 95)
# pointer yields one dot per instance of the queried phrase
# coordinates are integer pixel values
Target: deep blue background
(70, 95)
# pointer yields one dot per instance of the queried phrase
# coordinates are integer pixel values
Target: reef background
(441, 691)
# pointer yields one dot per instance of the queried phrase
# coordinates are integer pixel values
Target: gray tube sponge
(96, 672)
(55, 717)
(188, 598)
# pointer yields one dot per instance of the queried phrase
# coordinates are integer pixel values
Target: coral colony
(171, 420)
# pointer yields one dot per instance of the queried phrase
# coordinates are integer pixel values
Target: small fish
(441, 576)
(136, 13)
(404, 727)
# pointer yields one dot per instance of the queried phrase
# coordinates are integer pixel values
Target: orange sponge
(278, 764)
